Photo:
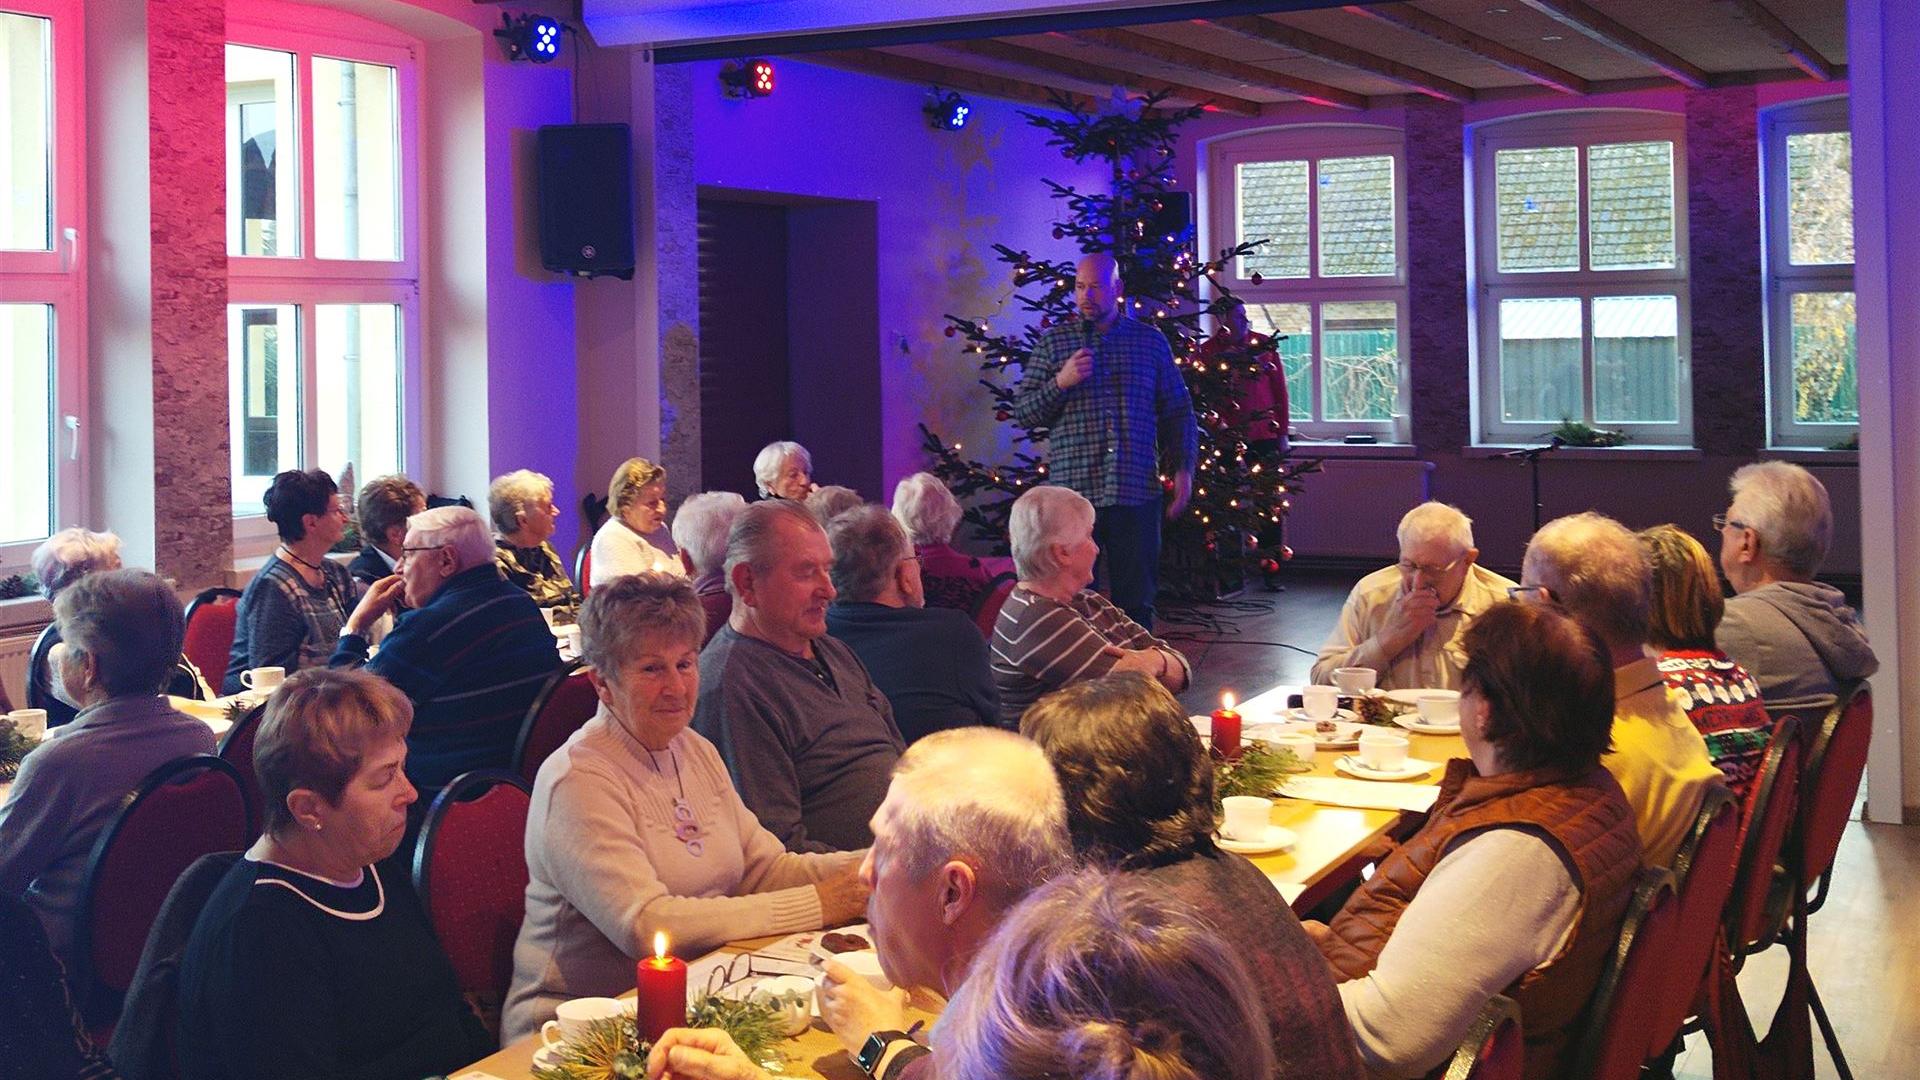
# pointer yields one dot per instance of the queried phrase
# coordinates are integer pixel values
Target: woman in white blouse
(636, 827)
(635, 540)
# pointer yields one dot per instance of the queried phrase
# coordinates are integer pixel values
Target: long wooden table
(1331, 845)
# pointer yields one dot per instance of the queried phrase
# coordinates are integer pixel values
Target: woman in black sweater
(310, 960)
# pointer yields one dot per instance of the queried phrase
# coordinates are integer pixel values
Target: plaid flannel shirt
(1111, 435)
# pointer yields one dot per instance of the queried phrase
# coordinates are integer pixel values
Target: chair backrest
(1615, 1042)
(40, 678)
(1831, 781)
(583, 568)
(1492, 1048)
(992, 599)
(143, 1046)
(470, 871)
(209, 638)
(187, 808)
(1704, 868)
(236, 748)
(1770, 814)
(562, 706)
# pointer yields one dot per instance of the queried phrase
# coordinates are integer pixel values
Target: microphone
(1087, 327)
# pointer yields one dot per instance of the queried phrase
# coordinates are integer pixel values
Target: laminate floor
(1865, 944)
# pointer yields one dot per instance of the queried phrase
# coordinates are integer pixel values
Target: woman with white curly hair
(930, 514)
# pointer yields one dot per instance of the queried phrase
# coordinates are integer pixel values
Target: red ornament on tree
(950, 331)
(1255, 279)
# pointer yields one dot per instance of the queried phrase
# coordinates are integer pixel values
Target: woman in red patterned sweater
(1719, 696)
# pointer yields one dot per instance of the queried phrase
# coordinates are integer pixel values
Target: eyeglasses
(406, 551)
(1412, 568)
(1525, 592)
(1722, 522)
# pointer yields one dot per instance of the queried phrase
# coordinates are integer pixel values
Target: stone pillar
(676, 260)
(1729, 360)
(192, 475)
(1437, 324)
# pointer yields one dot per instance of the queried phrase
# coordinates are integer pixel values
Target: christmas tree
(1238, 497)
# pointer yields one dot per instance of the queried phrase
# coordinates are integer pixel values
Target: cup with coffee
(263, 679)
(574, 1018)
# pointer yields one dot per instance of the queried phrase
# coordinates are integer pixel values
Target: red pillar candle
(1226, 728)
(661, 999)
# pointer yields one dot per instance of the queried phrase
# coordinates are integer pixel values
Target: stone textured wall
(192, 482)
(676, 252)
(1437, 326)
(1723, 230)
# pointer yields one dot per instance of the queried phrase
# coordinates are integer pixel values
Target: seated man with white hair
(1054, 630)
(700, 532)
(930, 662)
(471, 654)
(1597, 570)
(1797, 637)
(1406, 621)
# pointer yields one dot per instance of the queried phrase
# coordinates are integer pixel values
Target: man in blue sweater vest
(471, 654)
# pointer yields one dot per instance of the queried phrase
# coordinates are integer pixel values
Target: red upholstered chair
(1704, 868)
(1492, 1049)
(470, 871)
(186, 808)
(209, 640)
(561, 707)
(1835, 764)
(583, 568)
(1615, 1042)
(1774, 805)
(236, 748)
(991, 601)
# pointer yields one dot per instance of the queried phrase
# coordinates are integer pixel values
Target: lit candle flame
(1226, 701)
(660, 945)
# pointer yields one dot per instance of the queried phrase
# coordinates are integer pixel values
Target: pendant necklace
(685, 829)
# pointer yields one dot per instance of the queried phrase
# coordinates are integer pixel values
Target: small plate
(1299, 716)
(1412, 722)
(1413, 769)
(822, 953)
(545, 1057)
(1411, 697)
(1347, 737)
(1277, 839)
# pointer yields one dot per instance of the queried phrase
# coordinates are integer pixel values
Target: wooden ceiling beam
(1264, 29)
(1153, 48)
(1791, 45)
(1444, 32)
(910, 69)
(1060, 68)
(1579, 16)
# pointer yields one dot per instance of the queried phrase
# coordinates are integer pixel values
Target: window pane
(263, 178)
(1360, 360)
(1540, 360)
(1356, 216)
(26, 406)
(1630, 206)
(1820, 198)
(1295, 323)
(356, 182)
(26, 133)
(357, 388)
(1273, 207)
(264, 368)
(1636, 360)
(1825, 385)
(1538, 195)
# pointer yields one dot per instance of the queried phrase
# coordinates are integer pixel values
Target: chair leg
(1827, 1033)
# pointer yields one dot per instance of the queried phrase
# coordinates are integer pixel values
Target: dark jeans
(1129, 539)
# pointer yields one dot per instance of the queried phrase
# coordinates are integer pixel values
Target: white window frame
(57, 277)
(1489, 285)
(1784, 279)
(305, 281)
(1313, 143)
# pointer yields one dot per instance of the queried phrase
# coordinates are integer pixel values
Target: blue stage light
(531, 37)
(946, 110)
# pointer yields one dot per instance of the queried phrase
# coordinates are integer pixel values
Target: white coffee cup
(1299, 742)
(866, 964)
(575, 639)
(263, 678)
(1439, 709)
(31, 723)
(1383, 750)
(1355, 680)
(1320, 702)
(1247, 817)
(573, 1018)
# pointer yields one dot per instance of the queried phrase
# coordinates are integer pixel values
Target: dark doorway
(789, 337)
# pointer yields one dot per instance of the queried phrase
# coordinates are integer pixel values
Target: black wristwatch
(876, 1048)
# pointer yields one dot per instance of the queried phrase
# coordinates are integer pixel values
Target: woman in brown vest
(1518, 881)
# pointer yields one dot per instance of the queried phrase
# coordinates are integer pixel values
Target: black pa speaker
(586, 199)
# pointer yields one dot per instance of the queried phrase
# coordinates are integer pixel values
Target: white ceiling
(688, 22)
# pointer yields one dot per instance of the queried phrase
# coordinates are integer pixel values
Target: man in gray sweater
(1797, 637)
(809, 739)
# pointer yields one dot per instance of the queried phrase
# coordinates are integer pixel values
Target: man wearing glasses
(1405, 621)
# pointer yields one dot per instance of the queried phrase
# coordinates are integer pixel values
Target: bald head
(1096, 288)
(980, 794)
(1598, 571)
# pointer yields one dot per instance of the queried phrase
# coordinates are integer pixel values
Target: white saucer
(1277, 839)
(1299, 716)
(1413, 769)
(545, 1057)
(1412, 722)
(1411, 697)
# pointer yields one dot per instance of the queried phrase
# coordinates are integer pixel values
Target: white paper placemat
(1364, 794)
